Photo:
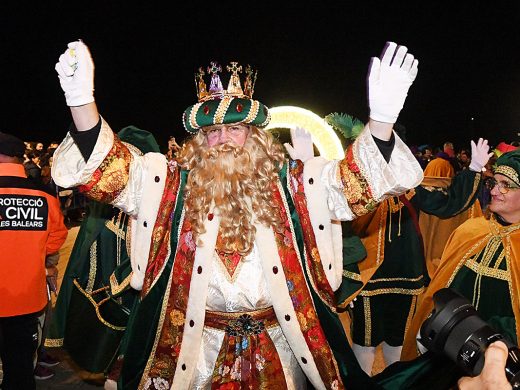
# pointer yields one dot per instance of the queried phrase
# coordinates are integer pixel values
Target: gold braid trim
(97, 305)
(368, 320)
(116, 287)
(222, 108)
(352, 275)
(253, 111)
(405, 291)
(193, 116)
(396, 279)
(93, 268)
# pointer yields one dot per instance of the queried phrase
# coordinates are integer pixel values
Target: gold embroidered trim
(93, 268)
(481, 269)
(289, 219)
(193, 116)
(222, 108)
(368, 320)
(115, 287)
(509, 172)
(253, 111)
(406, 291)
(53, 343)
(396, 279)
(96, 306)
(464, 258)
(352, 275)
(163, 307)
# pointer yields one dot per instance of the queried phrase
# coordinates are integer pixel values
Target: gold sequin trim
(406, 291)
(221, 110)
(352, 275)
(193, 116)
(368, 321)
(253, 111)
(509, 172)
(97, 305)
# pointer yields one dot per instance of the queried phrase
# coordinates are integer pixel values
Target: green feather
(345, 125)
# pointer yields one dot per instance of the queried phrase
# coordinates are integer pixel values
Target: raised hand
(76, 73)
(301, 148)
(389, 79)
(480, 155)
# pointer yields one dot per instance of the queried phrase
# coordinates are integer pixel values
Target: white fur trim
(143, 173)
(282, 303)
(317, 194)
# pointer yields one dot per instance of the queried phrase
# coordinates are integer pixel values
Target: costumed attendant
(392, 237)
(235, 254)
(481, 262)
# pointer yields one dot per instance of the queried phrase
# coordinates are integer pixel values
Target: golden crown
(216, 91)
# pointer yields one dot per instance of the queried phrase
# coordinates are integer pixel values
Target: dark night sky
(313, 56)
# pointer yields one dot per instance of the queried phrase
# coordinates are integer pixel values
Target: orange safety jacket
(31, 227)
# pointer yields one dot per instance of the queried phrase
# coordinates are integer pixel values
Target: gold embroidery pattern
(368, 321)
(355, 186)
(111, 177)
(405, 291)
(508, 171)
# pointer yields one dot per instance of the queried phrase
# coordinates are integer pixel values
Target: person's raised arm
(76, 74)
(389, 79)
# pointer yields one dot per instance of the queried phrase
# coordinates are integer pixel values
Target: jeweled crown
(216, 90)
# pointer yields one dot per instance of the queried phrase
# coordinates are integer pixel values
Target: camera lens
(455, 329)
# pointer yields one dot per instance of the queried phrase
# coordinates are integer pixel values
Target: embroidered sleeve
(111, 177)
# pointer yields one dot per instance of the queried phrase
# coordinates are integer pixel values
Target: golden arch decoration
(323, 136)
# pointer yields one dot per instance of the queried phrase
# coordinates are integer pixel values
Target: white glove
(351, 303)
(388, 82)
(301, 148)
(76, 73)
(479, 155)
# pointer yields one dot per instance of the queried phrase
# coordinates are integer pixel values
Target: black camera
(455, 329)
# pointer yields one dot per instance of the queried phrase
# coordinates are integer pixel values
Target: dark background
(314, 56)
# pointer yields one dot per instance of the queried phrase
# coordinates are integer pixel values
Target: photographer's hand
(493, 375)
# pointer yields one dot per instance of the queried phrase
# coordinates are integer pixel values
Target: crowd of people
(229, 264)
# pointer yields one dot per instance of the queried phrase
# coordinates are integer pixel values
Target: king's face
(236, 133)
